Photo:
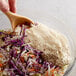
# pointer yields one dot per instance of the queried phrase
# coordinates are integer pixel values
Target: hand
(8, 6)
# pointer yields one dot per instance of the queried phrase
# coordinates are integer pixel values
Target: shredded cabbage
(21, 58)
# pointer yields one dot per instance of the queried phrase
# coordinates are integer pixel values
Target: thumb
(4, 6)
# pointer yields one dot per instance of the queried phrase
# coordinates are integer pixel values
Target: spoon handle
(10, 15)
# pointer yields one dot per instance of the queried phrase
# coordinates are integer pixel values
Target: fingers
(12, 5)
(4, 5)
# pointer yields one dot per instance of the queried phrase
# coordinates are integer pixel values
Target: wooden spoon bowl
(18, 20)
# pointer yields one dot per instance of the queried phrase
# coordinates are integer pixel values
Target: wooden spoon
(18, 20)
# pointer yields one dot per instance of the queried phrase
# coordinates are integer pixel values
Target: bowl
(39, 15)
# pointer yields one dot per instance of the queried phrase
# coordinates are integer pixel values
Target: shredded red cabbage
(22, 58)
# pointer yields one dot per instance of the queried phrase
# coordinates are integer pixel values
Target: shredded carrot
(37, 64)
(53, 70)
(22, 59)
(31, 69)
(29, 52)
(1, 65)
(52, 74)
(0, 61)
(1, 55)
(40, 65)
(0, 70)
(36, 70)
(46, 73)
(34, 63)
(33, 56)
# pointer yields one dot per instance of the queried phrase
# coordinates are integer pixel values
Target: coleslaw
(18, 58)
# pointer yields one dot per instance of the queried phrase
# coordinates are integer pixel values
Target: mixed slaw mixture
(19, 59)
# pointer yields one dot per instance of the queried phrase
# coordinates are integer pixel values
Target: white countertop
(64, 10)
